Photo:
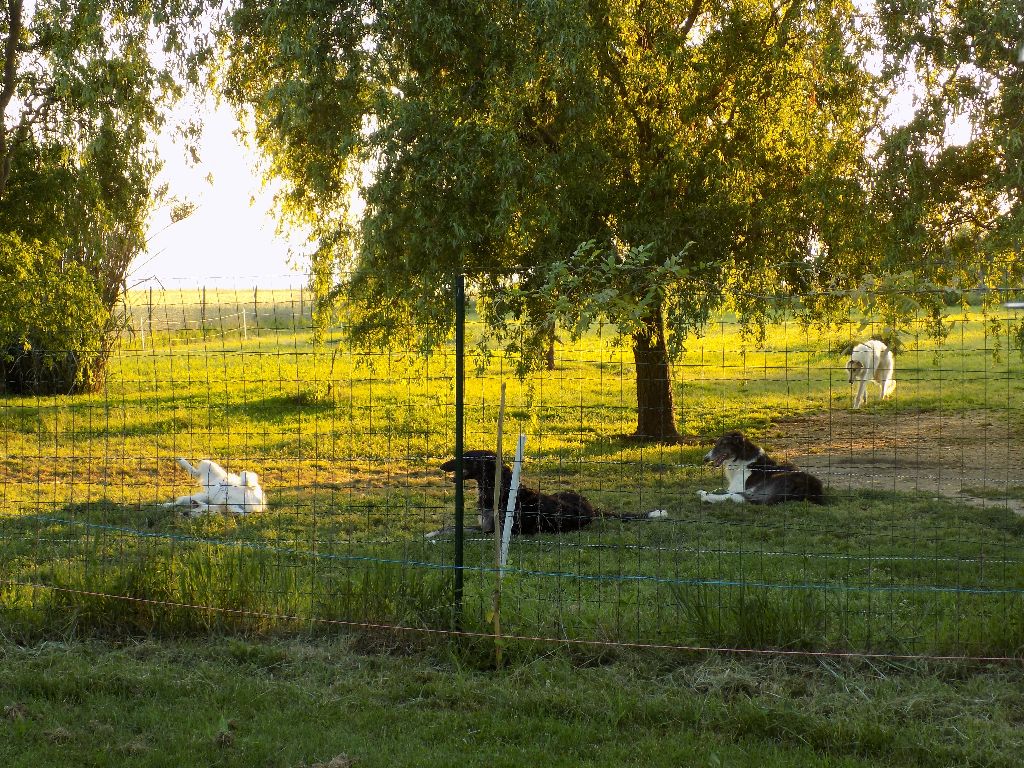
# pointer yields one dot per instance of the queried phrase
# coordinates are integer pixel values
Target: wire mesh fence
(918, 549)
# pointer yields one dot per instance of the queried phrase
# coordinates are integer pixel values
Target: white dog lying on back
(871, 361)
(223, 491)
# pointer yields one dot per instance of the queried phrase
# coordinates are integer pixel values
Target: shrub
(52, 321)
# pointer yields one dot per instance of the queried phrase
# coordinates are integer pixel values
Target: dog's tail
(890, 387)
(654, 514)
(433, 536)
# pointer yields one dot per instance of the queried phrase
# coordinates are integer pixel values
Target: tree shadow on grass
(652, 454)
(151, 516)
(278, 407)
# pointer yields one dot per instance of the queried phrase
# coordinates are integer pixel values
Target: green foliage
(947, 209)
(952, 212)
(51, 319)
(85, 88)
(493, 138)
(623, 288)
(508, 135)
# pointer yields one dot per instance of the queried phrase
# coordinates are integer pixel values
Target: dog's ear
(740, 447)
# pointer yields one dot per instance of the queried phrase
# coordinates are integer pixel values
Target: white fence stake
(513, 492)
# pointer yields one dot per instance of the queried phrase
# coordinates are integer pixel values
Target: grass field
(348, 447)
(130, 636)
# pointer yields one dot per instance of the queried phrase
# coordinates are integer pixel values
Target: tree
(723, 142)
(953, 213)
(84, 91)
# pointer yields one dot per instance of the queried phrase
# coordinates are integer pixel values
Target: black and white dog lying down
(754, 477)
(535, 512)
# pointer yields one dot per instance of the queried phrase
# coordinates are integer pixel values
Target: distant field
(919, 550)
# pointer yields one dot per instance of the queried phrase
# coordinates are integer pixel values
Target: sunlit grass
(348, 448)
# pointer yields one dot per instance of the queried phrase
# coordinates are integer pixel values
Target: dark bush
(52, 321)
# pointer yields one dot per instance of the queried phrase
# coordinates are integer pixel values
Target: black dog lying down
(756, 478)
(535, 512)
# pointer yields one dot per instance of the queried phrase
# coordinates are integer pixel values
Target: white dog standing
(871, 361)
(223, 491)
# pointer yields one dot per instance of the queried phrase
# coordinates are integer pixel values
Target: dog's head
(854, 367)
(732, 446)
(249, 479)
(477, 465)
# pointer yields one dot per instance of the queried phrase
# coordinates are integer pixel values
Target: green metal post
(460, 510)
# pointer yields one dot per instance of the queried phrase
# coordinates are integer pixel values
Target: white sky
(230, 240)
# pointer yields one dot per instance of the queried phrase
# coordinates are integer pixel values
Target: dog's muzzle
(709, 458)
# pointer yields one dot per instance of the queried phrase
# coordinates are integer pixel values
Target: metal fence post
(460, 355)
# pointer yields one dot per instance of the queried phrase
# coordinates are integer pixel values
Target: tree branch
(690, 21)
(14, 8)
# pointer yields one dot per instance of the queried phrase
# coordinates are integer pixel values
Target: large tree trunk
(549, 353)
(9, 85)
(655, 417)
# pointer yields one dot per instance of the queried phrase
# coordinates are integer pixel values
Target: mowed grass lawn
(297, 703)
(348, 447)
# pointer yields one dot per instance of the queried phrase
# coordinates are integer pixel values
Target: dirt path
(974, 455)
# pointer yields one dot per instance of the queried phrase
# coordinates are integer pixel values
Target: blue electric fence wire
(884, 588)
